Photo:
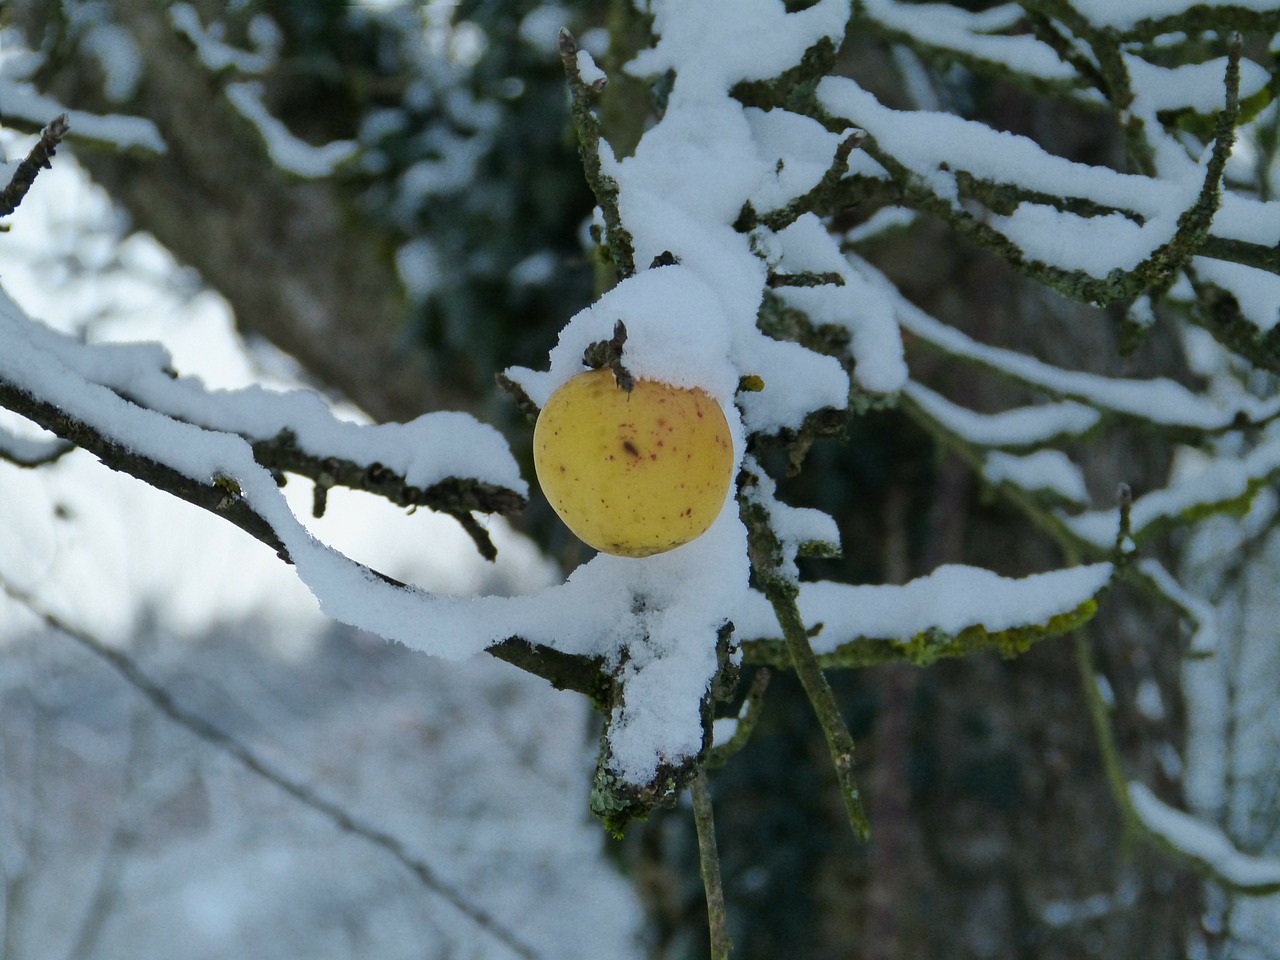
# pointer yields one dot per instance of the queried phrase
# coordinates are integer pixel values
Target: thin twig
(37, 160)
(709, 861)
(215, 736)
(22, 452)
(768, 560)
(747, 719)
(583, 97)
(814, 681)
(1105, 737)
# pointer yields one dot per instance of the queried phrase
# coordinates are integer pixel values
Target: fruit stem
(608, 353)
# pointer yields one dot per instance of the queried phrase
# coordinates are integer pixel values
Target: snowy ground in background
(496, 794)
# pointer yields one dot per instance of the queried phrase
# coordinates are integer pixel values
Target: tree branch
(748, 717)
(22, 452)
(587, 124)
(564, 671)
(709, 860)
(455, 496)
(37, 160)
(208, 496)
(821, 697)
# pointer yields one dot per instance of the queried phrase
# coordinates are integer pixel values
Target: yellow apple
(633, 473)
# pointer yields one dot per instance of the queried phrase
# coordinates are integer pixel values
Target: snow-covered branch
(224, 450)
(952, 612)
(1204, 845)
(446, 462)
(25, 452)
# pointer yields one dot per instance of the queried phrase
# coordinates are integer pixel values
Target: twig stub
(38, 159)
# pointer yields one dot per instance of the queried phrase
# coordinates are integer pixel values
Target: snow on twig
(25, 452)
(1160, 401)
(1207, 847)
(20, 101)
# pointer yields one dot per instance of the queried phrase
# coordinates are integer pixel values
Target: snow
(287, 151)
(882, 221)
(1204, 640)
(797, 381)
(118, 58)
(972, 34)
(217, 55)
(950, 599)
(1021, 427)
(1248, 219)
(1108, 13)
(653, 621)
(1204, 843)
(540, 27)
(1149, 701)
(1256, 291)
(424, 451)
(794, 527)
(1068, 913)
(1197, 86)
(1199, 484)
(1095, 245)
(1158, 400)
(676, 333)
(21, 101)
(122, 544)
(25, 449)
(716, 44)
(450, 170)
(536, 270)
(1229, 678)
(927, 142)
(694, 324)
(935, 146)
(1105, 691)
(800, 149)
(588, 72)
(350, 591)
(1048, 470)
(419, 268)
(875, 341)
(680, 594)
